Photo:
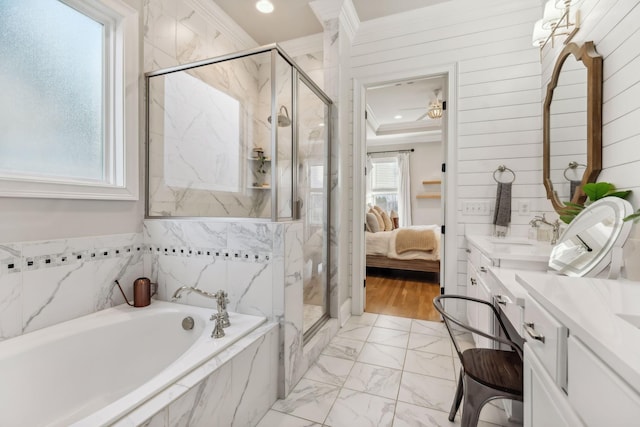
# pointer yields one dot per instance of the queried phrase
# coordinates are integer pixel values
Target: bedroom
(404, 142)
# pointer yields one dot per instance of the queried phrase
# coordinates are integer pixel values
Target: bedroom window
(383, 183)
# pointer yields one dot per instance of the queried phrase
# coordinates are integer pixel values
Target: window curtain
(404, 190)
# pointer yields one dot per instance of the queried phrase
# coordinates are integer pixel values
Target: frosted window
(51, 80)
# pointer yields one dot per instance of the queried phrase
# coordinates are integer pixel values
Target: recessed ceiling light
(264, 6)
(397, 117)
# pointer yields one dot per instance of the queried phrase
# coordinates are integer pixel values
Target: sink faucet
(555, 226)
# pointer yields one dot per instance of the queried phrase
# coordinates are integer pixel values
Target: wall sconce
(559, 19)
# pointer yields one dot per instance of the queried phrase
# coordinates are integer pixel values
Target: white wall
(23, 219)
(613, 27)
(424, 163)
(498, 85)
(501, 80)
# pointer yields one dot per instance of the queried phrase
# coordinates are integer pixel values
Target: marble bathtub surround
(234, 388)
(362, 382)
(258, 264)
(47, 282)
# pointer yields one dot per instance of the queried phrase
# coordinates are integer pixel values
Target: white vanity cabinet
(491, 267)
(582, 360)
(478, 286)
(545, 404)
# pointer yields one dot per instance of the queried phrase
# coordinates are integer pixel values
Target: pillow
(388, 225)
(394, 219)
(376, 211)
(372, 223)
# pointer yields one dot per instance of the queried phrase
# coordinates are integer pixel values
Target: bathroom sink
(511, 241)
(633, 319)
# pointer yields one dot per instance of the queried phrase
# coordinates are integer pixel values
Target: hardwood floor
(403, 294)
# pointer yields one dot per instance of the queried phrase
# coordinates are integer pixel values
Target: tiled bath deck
(380, 371)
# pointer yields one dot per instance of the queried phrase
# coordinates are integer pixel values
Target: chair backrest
(450, 321)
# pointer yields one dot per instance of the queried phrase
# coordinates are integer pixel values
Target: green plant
(594, 191)
(634, 216)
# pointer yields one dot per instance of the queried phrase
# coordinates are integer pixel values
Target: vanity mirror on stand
(593, 240)
(572, 128)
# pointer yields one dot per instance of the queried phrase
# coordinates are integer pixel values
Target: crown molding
(223, 22)
(407, 138)
(409, 127)
(326, 10)
(349, 18)
(371, 119)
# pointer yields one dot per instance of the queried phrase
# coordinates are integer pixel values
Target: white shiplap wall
(613, 27)
(499, 95)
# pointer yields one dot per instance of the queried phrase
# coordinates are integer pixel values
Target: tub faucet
(555, 226)
(178, 293)
(218, 330)
(222, 308)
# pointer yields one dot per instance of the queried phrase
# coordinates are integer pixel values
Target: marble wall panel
(10, 290)
(53, 281)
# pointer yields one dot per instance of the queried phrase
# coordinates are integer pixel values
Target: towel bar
(501, 169)
(572, 166)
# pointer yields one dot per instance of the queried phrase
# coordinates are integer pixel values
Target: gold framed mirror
(572, 125)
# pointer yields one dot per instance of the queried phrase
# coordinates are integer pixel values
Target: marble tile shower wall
(43, 283)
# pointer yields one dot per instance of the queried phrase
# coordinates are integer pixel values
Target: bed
(381, 251)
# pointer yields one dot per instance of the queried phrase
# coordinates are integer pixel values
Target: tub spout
(178, 293)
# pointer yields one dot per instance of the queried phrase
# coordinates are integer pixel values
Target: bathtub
(96, 369)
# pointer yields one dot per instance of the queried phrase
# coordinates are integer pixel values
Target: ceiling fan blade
(413, 108)
(421, 117)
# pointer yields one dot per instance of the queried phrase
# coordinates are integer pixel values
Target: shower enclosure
(244, 136)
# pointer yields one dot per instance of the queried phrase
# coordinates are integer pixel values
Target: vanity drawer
(480, 261)
(547, 338)
(597, 393)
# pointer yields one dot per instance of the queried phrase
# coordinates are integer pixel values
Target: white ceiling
(292, 19)
(400, 108)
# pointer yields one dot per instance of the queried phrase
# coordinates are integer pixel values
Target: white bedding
(384, 243)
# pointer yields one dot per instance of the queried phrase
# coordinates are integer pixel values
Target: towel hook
(572, 166)
(502, 169)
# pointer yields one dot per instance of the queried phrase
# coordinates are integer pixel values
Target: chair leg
(475, 396)
(458, 397)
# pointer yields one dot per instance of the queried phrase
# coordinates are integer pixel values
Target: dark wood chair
(486, 374)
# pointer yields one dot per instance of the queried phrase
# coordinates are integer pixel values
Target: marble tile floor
(380, 371)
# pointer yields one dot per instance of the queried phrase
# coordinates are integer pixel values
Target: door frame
(448, 268)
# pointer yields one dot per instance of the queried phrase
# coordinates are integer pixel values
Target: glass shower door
(312, 202)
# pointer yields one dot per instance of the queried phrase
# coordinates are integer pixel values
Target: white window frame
(372, 192)
(121, 118)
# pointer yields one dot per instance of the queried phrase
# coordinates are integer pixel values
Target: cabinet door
(485, 315)
(545, 405)
(597, 393)
(472, 291)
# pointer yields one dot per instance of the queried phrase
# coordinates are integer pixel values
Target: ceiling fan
(434, 111)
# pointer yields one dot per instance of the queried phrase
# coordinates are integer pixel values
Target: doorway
(404, 154)
(401, 287)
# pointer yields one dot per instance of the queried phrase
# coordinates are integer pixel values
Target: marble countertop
(589, 308)
(512, 248)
